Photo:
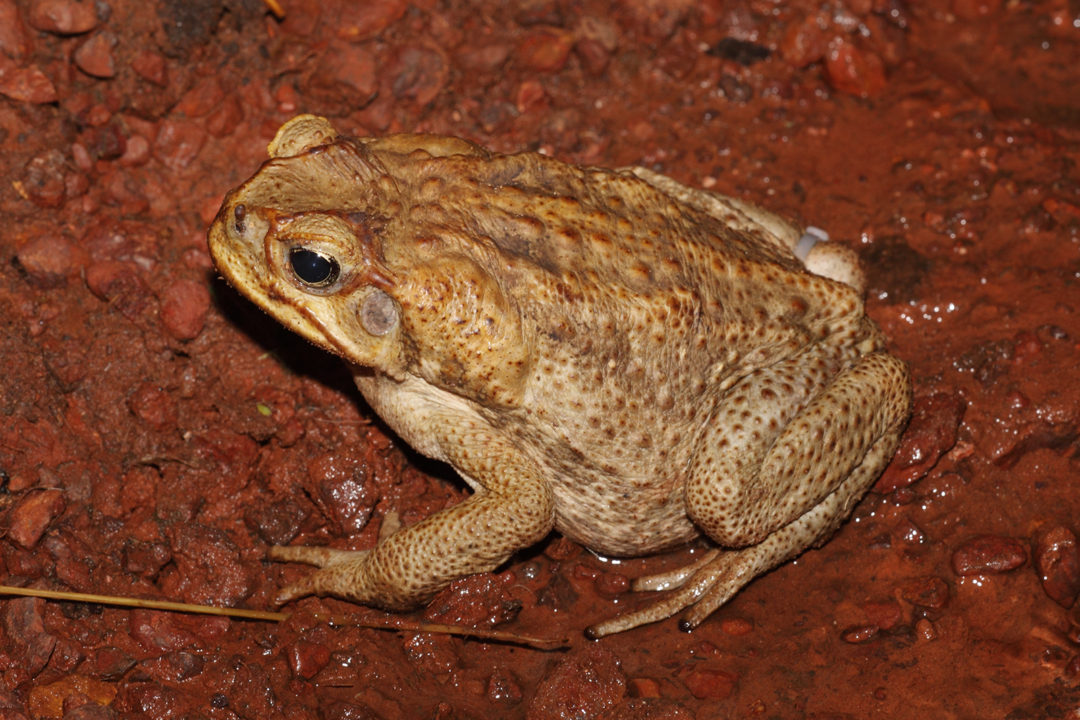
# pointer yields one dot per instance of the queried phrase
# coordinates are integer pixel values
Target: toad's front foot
(338, 573)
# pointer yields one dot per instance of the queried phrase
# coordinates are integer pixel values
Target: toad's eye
(313, 268)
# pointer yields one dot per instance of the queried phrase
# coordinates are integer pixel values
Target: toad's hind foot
(709, 583)
(714, 579)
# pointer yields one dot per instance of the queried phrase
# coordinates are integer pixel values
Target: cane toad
(609, 354)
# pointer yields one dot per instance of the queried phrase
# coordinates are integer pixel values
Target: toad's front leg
(512, 509)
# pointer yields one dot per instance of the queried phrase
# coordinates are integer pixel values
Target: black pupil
(313, 268)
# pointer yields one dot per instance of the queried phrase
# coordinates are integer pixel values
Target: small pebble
(306, 659)
(1057, 560)
(360, 21)
(94, 57)
(885, 615)
(24, 626)
(25, 84)
(178, 143)
(63, 17)
(583, 683)
(611, 584)
(109, 662)
(545, 50)
(154, 405)
(704, 683)
(929, 591)
(736, 627)
(151, 66)
(852, 70)
(32, 515)
(988, 554)
(49, 259)
(419, 73)
(644, 687)
(14, 40)
(804, 43)
(932, 432)
(860, 634)
(43, 179)
(503, 688)
(924, 629)
(184, 305)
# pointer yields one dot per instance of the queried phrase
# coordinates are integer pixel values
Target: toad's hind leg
(770, 501)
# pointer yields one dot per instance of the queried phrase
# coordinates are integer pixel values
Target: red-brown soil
(157, 433)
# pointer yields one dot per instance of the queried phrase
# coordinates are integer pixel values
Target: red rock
(885, 615)
(704, 683)
(63, 17)
(49, 259)
(644, 687)
(43, 179)
(1057, 560)
(24, 626)
(349, 70)
(154, 405)
(419, 72)
(584, 684)
(31, 517)
(561, 549)
(173, 666)
(136, 151)
(482, 600)
(209, 569)
(852, 70)
(736, 627)
(145, 558)
(931, 433)
(26, 84)
(159, 631)
(610, 584)
(360, 21)
(109, 663)
(484, 58)
(14, 40)
(151, 66)
(545, 49)
(340, 487)
(804, 42)
(503, 688)
(988, 554)
(124, 190)
(206, 95)
(94, 57)
(530, 96)
(860, 634)
(119, 284)
(306, 659)
(929, 591)
(102, 143)
(226, 117)
(593, 55)
(90, 710)
(178, 143)
(277, 523)
(184, 305)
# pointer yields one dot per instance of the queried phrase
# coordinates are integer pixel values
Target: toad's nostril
(239, 214)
